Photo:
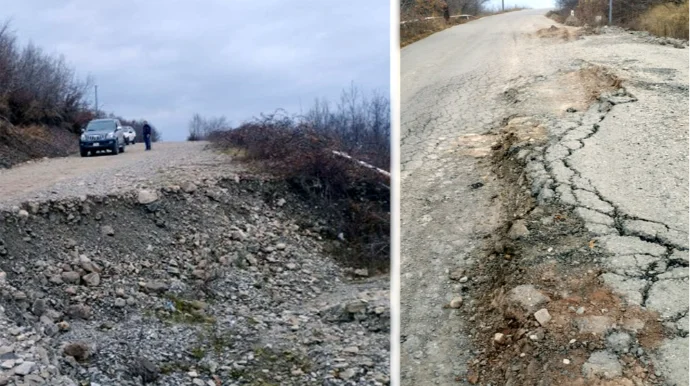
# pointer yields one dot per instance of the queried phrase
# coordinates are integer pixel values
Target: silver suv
(102, 134)
(130, 135)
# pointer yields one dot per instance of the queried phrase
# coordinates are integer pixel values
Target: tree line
(417, 8)
(360, 122)
(39, 88)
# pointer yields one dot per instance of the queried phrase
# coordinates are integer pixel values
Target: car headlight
(83, 137)
(110, 135)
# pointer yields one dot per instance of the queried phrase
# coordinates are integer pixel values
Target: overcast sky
(536, 4)
(164, 60)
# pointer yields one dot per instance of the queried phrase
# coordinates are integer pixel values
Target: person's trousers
(147, 140)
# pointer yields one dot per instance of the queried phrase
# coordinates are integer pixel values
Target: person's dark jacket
(146, 130)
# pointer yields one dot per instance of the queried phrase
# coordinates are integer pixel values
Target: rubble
(271, 306)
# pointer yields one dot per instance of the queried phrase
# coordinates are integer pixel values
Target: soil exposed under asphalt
(178, 267)
(544, 206)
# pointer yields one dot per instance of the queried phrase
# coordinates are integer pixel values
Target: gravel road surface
(75, 176)
(632, 167)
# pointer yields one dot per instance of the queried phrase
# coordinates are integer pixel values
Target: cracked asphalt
(621, 165)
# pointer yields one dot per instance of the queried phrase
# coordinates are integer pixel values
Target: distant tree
(200, 127)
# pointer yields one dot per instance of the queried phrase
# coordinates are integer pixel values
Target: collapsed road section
(212, 281)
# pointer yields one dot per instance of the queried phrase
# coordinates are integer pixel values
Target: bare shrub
(37, 88)
(421, 18)
(299, 149)
(658, 17)
(200, 127)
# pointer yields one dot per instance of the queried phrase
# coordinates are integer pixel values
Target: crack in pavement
(456, 93)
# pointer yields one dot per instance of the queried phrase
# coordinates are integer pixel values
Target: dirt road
(619, 169)
(105, 174)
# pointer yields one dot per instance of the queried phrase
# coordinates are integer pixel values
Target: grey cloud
(165, 60)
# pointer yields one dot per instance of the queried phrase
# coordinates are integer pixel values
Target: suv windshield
(100, 125)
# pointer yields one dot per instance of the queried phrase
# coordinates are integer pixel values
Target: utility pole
(503, 5)
(611, 12)
(96, 92)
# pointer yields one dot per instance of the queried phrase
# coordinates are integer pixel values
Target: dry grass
(666, 19)
(670, 20)
(413, 31)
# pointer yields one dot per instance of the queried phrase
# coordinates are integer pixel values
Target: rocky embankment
(223, 282)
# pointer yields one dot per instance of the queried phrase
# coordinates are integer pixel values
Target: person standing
(146, 131)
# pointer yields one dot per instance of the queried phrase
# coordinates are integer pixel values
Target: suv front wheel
(116, 148)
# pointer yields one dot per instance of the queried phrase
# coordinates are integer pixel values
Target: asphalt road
(456, 86)
(451, 88)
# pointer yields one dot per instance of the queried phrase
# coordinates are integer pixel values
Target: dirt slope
(205, 277)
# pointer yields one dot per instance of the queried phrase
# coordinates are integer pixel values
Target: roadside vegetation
(43, 103)
(668, 19)
(336, 157)
(421, 18)
(658, 17)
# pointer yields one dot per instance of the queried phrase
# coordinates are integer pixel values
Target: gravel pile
(643, 36)
(206, 283)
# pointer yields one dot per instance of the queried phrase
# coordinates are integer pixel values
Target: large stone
(602, 364)
(542, 316)
(147, 196)
(156, 286)
(188, 187)
(518, 229)
(88, 265)
(682, 324)
(25, 368)
(107, 230)
(70, 277)
(79, 350)
(79, 311)
(92, 279)
(456, 302)
(39, 307)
